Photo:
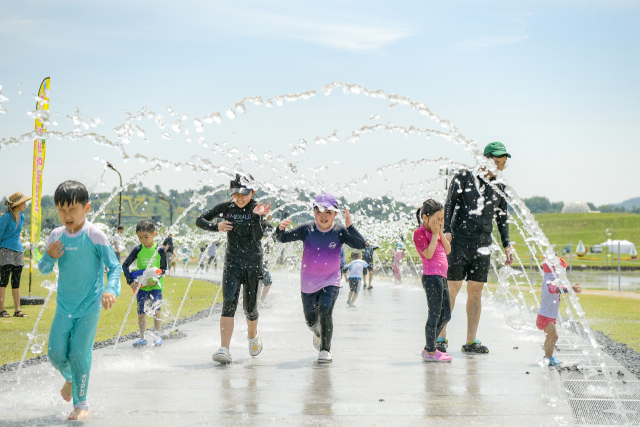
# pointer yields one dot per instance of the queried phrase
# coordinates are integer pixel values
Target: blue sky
(556, 81)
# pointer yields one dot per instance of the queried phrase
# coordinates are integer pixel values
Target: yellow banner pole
(39, 149)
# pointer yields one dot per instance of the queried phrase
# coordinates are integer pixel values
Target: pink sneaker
(437, 357)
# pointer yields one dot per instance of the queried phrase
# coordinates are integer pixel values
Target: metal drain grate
(570, 348)
(600, 389)
(577, 375)
(593, 412)
(588, 393)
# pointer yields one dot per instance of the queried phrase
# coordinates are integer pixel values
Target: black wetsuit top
(367, 253)
(471, 231)
(168, 241)
(244, 250)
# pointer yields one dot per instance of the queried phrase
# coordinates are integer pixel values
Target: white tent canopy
(612, 246)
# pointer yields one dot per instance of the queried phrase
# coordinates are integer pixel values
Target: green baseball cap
(497, 149)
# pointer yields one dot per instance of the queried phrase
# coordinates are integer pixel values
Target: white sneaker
(324, 357)
(351, 304)
(317, 341)
(222, 356)
(255, 345)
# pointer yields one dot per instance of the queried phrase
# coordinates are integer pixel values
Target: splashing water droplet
(160, 121)
(561, 421)
(230, 113)
(166, 135)
(486, 250)
(374, 117)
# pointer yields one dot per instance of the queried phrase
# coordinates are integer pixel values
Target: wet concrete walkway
(377, 377)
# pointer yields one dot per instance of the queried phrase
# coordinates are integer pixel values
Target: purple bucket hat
(326, 201)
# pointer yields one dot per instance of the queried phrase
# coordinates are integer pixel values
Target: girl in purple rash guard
(320, 274)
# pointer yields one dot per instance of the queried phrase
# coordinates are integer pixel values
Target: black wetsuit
(367, 256)
(243, 258)
(469, 230)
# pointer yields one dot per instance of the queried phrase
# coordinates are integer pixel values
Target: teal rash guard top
(81, 278)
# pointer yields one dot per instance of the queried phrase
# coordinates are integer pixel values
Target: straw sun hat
(15, 199)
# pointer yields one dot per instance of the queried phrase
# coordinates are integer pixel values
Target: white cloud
(347, 36)
(357, 34)
(478, 43)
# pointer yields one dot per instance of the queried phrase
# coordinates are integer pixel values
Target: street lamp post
(110, 166)
(444, 173)
(609, 233)
(170, 210)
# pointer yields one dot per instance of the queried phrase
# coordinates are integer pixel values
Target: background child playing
(367, 256)
(266, 275)
(148, 255)
(433, 247)
(185, 257)
(82, 252)
(320, 273)
(549, 306)
(398, 255)
(356, 268)
(202, 258)
(243, 261)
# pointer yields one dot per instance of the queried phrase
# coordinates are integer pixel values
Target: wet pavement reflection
(377, 376)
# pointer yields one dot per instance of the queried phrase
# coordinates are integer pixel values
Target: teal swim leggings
(70, 349)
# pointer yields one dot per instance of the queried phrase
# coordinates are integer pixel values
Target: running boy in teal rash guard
(151, 258)
(82, 252)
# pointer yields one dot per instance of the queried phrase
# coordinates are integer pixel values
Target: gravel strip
(628, 357)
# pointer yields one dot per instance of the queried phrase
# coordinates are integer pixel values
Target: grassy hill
(590, 228)
(561, 229)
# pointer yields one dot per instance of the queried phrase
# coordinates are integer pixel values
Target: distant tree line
(153, 208)
(539, 204)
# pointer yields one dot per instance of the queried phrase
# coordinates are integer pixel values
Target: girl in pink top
(433, 247)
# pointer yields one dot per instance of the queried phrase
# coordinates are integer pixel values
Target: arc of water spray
(456, 137)
(35, 326)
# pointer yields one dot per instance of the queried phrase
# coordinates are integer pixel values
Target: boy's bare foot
(66, 391)
(79, 414)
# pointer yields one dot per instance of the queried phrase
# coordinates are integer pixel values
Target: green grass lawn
(615, 316)
(13, 331)
(618, 317)
(561, 229)
(590, 228)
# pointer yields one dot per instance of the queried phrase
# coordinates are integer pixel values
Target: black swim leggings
(232, 280)
(5, 272)
(437, 291)
(318, 313)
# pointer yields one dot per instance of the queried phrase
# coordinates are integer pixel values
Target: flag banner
(39, 149)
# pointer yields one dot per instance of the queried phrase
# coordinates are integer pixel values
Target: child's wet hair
(429, 207)
(70, 192)
(145, 226)
(355, 255)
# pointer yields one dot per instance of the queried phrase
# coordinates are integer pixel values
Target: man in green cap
(469, 231)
